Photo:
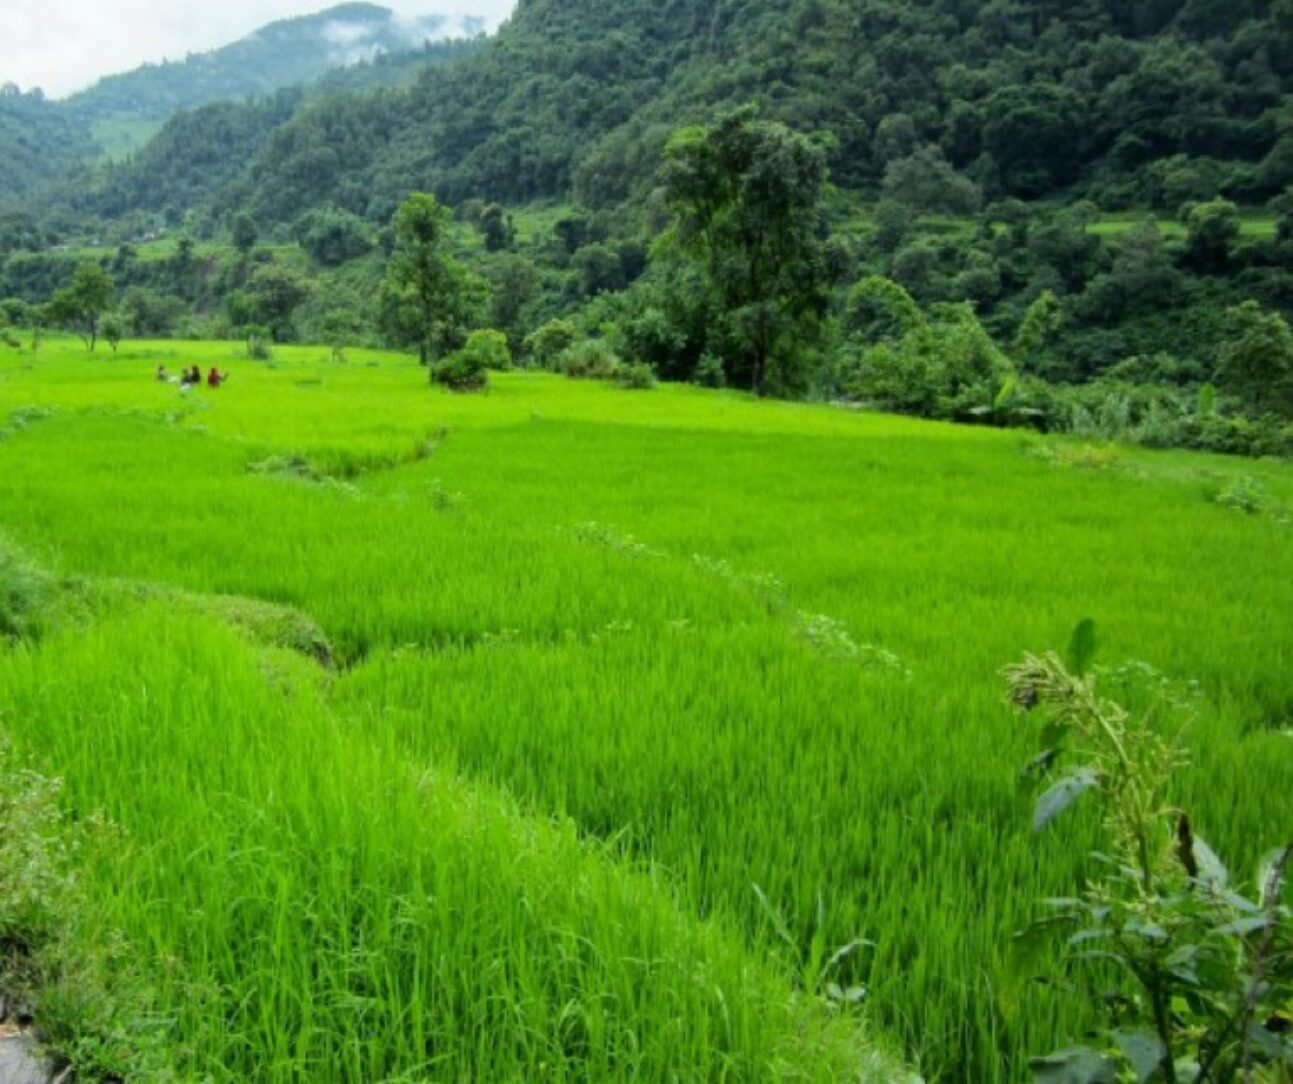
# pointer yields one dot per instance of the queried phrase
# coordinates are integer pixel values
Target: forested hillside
(350, 47)
(38, 142)
(122, 110)
(1128, 104)
(1092, 200)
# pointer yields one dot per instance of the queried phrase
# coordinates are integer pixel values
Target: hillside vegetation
(1129, 104)
(38, 143)
(290, 52)
(351, 47)
(1093, 202)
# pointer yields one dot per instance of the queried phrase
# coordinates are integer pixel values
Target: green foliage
(927, 184)
(16, 312)
(575, 99)
(275, 292)
(710, 372)
(943, 365)
(1256, 361)
(893, 221)
(882, 309)
(497, 228)
(490, 347)
(38, 142)
(636, 376)
(463, 370)
(589, 359)
(151, 314)
(428, 295)
(1213, 230)
(1249, 495)
(58, 964)
(551, 138)
(25, 590)
(81, 305)
(652, 337)
(746, 197)
(113, 328)
(333, 237)
(1202, 974)
(600, 268)
(244, 233)
(284, 53)
(1037, 330)
(257, 342)
(546, 345)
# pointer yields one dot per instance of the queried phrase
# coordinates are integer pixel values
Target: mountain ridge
(120, 113)
(1092, 99)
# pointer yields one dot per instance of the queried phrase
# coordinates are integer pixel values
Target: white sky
(65, 45)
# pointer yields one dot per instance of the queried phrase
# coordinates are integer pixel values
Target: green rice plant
(320, 906)
(24, 592)
(517, 828)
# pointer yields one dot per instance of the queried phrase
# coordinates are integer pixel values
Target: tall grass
(315, 905)
(738, 643)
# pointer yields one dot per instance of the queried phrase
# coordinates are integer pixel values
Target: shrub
(258, 340)
(709, 372)
(653, 337)
(590, 359)
(549, 342)
(490, 347)
(638, 376)
(1249, 495)
(462, 371)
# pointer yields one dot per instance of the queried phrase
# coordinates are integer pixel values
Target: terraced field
(565, 732)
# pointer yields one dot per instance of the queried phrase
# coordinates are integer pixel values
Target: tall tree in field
(745, 195)
(276, 292)
(428, 296)
(81, 305)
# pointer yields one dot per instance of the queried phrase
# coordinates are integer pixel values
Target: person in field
(215, 377)
(162, 378)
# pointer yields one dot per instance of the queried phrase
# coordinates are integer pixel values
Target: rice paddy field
(564, 733)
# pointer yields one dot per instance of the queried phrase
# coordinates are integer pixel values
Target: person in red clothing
(215, 377)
